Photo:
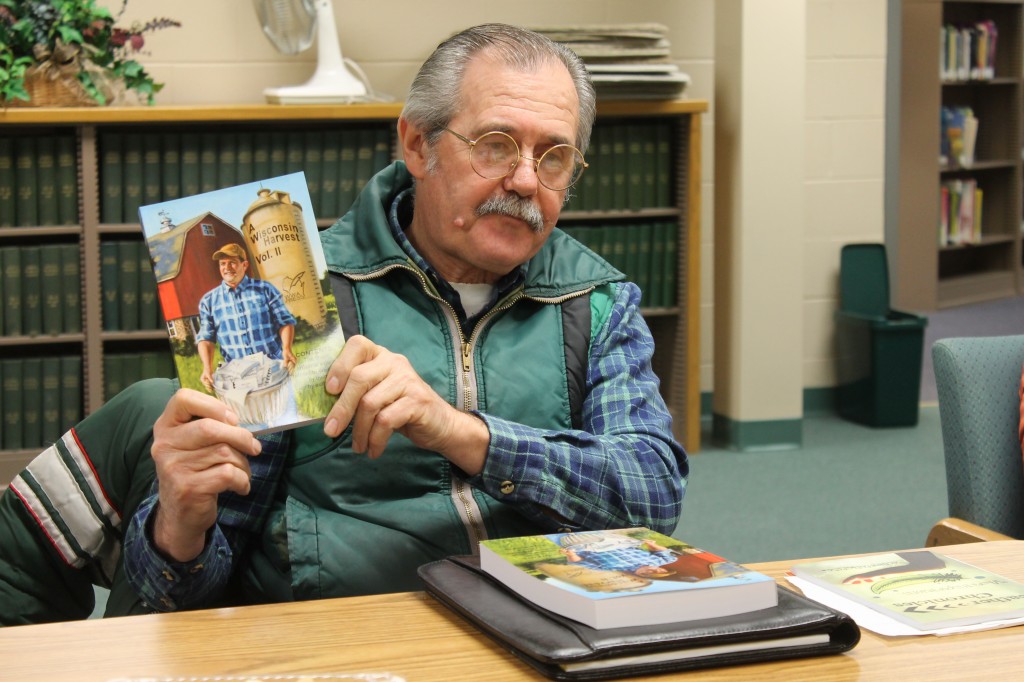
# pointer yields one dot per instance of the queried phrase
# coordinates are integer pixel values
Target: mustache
(513, 206)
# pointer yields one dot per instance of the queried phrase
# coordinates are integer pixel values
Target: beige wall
(220, 55)
(844, 158)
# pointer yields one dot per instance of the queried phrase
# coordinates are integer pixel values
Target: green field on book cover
(610, 563)
(242, 283)
(921, 588)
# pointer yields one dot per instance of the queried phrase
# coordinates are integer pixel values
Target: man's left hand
(380, 393)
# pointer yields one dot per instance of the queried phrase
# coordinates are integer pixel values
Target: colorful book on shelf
(624, 578)
(921, 588)
(256, 243)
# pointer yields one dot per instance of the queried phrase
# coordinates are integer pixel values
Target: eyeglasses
(494, 155)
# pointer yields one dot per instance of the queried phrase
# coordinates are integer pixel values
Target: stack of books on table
(625, 61)
(613, 603)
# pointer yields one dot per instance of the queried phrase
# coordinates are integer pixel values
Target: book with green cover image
(242, 283)
(921, 588)
(624, 577)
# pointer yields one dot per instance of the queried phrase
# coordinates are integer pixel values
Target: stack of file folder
(625, 61)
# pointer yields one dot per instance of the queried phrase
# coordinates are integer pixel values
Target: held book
(624, 578)
(923, 589)
(242, 284)
(560, 648)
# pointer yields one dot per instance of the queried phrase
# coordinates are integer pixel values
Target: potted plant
(69, 52)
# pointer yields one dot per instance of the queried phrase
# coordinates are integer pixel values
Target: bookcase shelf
(926, 273)
(674, 322)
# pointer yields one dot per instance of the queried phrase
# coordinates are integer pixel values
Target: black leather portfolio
(564, 649)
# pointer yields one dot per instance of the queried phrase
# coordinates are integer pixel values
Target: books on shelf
(644, 252)
(960, 212)
(958, 137)
(630, 168)
(160, 166)
(40, 399)
(624, 578)
(923, 589)
(242, 283)
(968, 52)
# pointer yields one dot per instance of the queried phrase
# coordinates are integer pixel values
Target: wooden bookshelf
(675, 326)
(927, 275)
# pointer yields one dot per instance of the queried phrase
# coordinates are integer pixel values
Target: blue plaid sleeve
(623, 469)
(166, 585)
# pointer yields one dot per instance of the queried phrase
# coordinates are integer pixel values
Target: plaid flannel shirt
(597, 477)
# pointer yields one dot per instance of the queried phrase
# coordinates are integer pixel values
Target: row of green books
(40, 291)
(629, 166)
(129, 287)
(38, 180)
(121, 370)
(645, 252)
(142, 168)
(41, 398)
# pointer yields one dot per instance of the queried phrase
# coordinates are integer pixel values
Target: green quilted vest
(346, 525)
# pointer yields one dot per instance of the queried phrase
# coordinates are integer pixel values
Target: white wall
(220, 55)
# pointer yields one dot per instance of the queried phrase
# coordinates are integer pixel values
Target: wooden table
(413, 637)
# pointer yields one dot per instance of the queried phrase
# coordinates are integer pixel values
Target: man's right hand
(199, 451)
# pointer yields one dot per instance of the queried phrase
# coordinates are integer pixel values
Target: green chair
(978, 380)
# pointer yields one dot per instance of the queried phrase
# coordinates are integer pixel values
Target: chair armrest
(954, 531)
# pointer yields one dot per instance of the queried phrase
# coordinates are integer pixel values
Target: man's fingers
(356, 371)
(187, 404)
(356, 351)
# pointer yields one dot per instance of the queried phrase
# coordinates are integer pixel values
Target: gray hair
(436, 93)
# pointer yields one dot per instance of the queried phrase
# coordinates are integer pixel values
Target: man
(242, 315)
(498, 377)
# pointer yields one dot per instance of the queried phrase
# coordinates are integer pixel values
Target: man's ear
(413, 143)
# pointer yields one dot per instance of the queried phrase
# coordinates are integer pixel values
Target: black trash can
(880, 350)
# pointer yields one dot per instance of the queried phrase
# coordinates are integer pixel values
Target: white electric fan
(289, 24)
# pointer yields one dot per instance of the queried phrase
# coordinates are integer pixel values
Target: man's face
(538, 110)
(232, 270)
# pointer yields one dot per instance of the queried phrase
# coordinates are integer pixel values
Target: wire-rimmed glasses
(495, 154)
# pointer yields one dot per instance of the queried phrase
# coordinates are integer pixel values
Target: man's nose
(523, 178)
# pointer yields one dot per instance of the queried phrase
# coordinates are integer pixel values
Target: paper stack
(625, 61)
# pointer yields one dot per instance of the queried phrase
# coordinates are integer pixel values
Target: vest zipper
(462, 499)
(465, 504)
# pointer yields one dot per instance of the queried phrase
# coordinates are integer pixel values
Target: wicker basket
(44, 91)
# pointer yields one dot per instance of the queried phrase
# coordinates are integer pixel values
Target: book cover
(67, 180)
(70, 391)
(131, 180)
(6, 182)
(11, 369)
(242, 283)
(50, 387)
(922, 588)
(31, 402)
(111, 306)
(31, 286)
(71, 288)
(26, 182)
(128, 285)
(624, 578)
(52, 288)
(46, 175)
(10, 261)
